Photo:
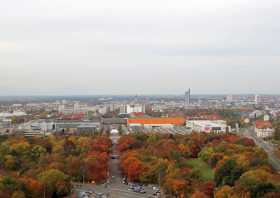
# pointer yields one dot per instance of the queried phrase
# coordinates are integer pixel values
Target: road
(114, 188)
(266, 146)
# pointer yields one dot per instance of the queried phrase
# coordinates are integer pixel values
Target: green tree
(206, 154)
(37, 151)
(228, 173)
(10, 183)
(259, 182)
(11, 162)
(55, 182)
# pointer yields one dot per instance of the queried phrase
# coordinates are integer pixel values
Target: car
(138, 190)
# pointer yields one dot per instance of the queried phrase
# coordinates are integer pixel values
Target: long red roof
(174, 121)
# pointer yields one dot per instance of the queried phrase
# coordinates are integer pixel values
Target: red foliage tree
(208, 188)
(96, 166)
(132, 166)
(125, 143)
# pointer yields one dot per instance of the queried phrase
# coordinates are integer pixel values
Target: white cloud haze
(144, 47)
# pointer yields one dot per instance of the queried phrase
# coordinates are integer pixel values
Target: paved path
(115, 188)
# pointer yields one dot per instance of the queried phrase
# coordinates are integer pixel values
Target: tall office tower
(257, 99)
(188, 97)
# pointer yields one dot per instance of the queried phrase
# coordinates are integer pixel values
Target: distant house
(264, 129)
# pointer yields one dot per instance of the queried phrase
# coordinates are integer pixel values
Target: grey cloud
(145, 46)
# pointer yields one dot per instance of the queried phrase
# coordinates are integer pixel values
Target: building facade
(132, 108)
(264, 129)
(207, 126)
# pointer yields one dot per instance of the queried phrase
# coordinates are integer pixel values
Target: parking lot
(115, 189)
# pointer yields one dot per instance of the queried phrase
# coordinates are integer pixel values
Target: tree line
(46, 166)
(199, 165)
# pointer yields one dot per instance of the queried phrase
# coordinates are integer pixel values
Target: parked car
(142, 191)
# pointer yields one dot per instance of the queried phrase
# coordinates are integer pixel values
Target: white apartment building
(65, 109)
(71, 108)
(80, 108)
(132, 108)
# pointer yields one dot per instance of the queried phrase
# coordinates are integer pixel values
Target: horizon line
(160, 94)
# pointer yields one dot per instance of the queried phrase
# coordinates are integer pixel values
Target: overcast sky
(139, 47)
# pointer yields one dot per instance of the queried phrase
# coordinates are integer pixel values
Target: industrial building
(207, 126)
(152, 123)
(43, 125)
(79, 126)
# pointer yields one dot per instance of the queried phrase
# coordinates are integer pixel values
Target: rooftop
(260, 124)
(174, 120)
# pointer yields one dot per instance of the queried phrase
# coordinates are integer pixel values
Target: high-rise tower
(188, 97)
(257, 99)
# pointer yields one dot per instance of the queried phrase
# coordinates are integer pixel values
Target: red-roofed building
(264, 129)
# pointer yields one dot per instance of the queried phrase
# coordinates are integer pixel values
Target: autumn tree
(228, 173)
(55, 182)
(125, 143)
(259, 182)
